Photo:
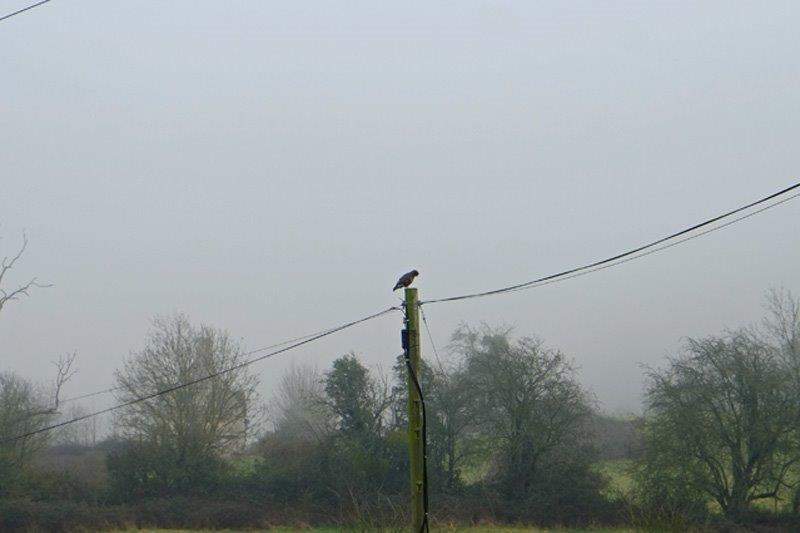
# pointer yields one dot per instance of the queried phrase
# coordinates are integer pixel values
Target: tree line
(514, 437)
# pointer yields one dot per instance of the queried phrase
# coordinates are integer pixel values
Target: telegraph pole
(416, 436)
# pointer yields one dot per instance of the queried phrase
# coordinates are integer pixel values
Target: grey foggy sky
(271, 168)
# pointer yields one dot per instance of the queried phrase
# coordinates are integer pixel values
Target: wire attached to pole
(430, 338)
(251, 352)
(203, 378)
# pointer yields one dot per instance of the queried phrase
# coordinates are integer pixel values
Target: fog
(272, 168)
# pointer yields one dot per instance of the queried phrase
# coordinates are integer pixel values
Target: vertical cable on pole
(417, 428)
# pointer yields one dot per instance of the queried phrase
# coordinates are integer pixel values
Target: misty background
(272, 168)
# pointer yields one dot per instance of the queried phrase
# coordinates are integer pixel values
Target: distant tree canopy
(782, 329)
(298, 410)
(512, 405)
(513, 437)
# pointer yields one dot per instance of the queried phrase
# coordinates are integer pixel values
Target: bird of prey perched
(406, 279)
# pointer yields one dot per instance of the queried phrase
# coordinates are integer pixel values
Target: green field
(619, 475)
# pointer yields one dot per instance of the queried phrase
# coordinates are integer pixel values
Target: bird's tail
(397, 287)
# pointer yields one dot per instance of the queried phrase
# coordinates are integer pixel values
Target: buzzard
(406, 279)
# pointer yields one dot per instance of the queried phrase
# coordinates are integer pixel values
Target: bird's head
(415, 272)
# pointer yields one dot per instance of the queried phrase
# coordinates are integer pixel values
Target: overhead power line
(23, 10)
(207, 377)
(88, 395)
(662, 247)
(251, 352)
(630, 255)
(640, 251)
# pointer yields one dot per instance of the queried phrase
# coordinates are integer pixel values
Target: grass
(621, 482)
(474, 529)
(244, 464)
(619, 475)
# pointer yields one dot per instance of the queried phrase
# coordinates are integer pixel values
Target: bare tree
(64, 373)
(298, 409)
(6, 265)
(211, 416)
(782, 323)
(83, 433)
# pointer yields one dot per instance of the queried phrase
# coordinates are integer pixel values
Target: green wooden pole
(415, 445)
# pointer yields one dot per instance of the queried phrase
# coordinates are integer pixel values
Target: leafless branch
(7, 264)
(64, 373)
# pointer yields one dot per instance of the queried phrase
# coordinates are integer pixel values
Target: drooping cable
(201, 379)
(433, 344)
(660, 248)
(23, 10)
(635, 253)
(251, 352)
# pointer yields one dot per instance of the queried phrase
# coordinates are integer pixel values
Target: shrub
(146, 470)
(26, 515)
(663, 498)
